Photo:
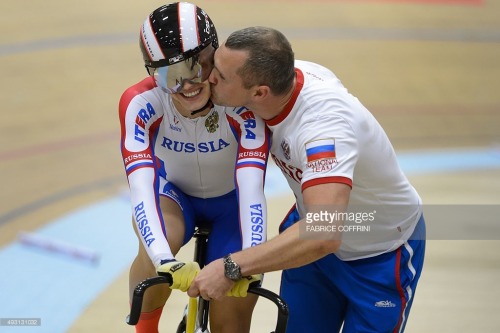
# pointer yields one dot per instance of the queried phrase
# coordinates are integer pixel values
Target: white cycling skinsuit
(221, 154)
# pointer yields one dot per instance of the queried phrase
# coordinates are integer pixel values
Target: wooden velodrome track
(428, 70)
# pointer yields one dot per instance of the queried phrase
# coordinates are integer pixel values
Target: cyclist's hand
(182, 273)
(241, 286)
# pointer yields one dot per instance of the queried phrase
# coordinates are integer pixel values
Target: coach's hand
(182, 273)
(240, 287)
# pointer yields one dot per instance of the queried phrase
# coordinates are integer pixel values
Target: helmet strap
(209, 104)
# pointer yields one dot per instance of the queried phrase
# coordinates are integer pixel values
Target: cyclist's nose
(188, 84)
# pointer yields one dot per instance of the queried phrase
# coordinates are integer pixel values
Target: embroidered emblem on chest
(212, 122)
(285, 147)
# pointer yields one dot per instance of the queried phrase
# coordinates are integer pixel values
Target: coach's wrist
(231, 269)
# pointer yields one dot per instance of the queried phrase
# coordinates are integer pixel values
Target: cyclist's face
(172, 79)
(193, 96)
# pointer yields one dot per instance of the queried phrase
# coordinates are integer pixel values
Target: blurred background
(429, 71)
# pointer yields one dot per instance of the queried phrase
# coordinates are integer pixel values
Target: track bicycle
(195, 319)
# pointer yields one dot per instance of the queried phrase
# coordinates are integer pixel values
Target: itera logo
(385, 304)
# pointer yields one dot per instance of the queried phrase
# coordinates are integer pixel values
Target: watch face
(231, 269)
(232, 274)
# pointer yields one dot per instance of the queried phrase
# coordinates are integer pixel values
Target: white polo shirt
(326, 135)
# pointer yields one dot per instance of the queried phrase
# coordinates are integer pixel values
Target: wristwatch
(231, 269)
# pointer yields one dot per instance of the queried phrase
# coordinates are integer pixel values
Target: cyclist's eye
(194, 63)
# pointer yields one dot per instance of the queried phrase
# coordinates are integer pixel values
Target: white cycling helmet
(171, 39)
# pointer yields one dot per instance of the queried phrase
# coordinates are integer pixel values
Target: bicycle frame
(198, 308)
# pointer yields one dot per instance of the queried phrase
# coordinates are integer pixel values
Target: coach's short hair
(270, 58)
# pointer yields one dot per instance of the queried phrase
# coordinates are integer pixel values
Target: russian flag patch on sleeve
(320, 149)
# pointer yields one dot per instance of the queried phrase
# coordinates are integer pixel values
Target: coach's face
(226, 85)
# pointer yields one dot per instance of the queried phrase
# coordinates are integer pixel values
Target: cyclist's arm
(251, 161)
(139, 120)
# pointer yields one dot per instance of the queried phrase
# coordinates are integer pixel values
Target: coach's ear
(260, 93)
